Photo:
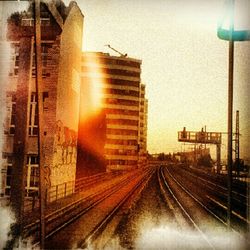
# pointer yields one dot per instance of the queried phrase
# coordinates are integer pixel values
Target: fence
(60, 191)
(54, 193)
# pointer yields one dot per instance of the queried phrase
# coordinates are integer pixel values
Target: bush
(205, 161)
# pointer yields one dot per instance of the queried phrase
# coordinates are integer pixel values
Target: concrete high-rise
(115, 83)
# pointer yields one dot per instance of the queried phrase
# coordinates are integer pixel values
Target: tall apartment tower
(117, 83)
(143, 121)
(61, 41)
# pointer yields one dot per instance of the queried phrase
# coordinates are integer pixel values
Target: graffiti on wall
(66, 143)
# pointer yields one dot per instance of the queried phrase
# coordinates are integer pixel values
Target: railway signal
(203, 137)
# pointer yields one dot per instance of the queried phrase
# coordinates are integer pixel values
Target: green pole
(230, 114)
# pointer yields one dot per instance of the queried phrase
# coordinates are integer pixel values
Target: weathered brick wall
(61, 99)
(21, 126)
(49, 105)
(68, 94)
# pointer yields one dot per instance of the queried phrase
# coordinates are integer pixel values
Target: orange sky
(184, 64)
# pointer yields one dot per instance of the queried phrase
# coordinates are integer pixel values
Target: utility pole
(230, 112)
(237, 144)
(205, 138)
(231, 35)
(195, 155)
(218, 157)
(39, 93)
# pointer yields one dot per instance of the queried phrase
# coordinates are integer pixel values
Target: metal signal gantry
(203, 137)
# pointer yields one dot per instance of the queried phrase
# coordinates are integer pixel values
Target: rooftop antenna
(121, 54)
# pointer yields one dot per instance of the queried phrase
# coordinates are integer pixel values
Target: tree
(205, 160)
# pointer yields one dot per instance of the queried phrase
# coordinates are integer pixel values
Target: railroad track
(166, 188)
(73, 211)
(86, 182)
(202, 214)
(214, 196)
(238, 199)
(98, 229)
(239, 187)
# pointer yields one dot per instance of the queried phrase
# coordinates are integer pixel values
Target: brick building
(116, 87)
(61, 42)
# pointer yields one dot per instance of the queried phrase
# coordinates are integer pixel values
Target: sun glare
(96, 82)
(91, 114)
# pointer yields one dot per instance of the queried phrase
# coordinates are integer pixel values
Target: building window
(33, 118)
(122, 122)
(122, 72)
(30, 21)
(15, 47)
(44, 51)
(45, 21)
(13, 115)
(45, 101)
(8, 173)
(44, 55)
(121, 102)
(32, 181)
(27, 22)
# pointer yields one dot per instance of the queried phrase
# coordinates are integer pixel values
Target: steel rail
(202, 205)
(108, 192)
(240, 217)
(66, 208)
(30, 228)
(225, 208)
(219, 178)
(88, 181)
(195, 199)
(100, 226)
(184, 210)
(216, 184)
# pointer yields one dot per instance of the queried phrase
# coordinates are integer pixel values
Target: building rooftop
(107, 55)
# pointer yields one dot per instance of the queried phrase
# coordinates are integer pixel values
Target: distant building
(61, 34)
(122, 99)
(192, 156)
